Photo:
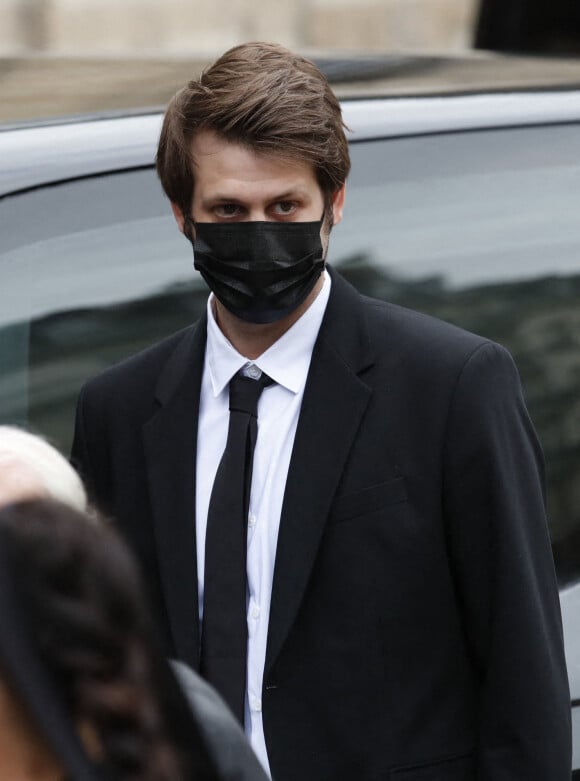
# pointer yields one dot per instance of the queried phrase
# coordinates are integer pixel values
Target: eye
(284, 208)
(227, 210)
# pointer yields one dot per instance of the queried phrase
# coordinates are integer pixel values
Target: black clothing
(414, 629)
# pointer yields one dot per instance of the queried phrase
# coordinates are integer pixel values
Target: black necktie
(224, 627)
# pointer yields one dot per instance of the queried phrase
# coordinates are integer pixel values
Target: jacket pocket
(368, 500)
(460, 768)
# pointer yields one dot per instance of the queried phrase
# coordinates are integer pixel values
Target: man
(400, 613)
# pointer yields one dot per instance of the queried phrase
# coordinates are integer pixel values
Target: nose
(257, 214)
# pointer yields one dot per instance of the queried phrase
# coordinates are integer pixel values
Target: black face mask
(260, 271)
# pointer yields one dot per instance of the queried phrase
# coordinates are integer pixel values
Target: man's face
(235, 184)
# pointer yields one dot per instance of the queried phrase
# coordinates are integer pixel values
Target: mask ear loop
(326, 224)
(189, 227)
(327, 219)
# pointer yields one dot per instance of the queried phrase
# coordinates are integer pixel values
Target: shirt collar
(287, 361)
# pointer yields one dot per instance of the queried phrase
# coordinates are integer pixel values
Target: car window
(479, 228)
(482, 229)
(95, 270)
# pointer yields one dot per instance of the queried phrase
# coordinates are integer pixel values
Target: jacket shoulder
(418, 327)
(394, 333)
(420, 339)
(139, 371)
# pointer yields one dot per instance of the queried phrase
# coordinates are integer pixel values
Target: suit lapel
(170, 443)
(329, 421)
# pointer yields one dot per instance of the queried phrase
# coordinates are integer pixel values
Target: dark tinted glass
(478, 228)
(99, 273)
(482, 229)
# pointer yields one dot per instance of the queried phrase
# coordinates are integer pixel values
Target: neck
(24, 755)
(252, 339)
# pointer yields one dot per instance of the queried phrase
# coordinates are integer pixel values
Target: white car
(463, 205)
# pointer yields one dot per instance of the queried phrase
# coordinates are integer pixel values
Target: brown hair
(82, 607)
(265, 97)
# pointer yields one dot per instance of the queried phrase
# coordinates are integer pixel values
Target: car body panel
(34, 156)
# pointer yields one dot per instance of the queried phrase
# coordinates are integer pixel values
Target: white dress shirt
(287, 363)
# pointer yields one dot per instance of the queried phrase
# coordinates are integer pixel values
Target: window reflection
(479, 229)
(538, 320)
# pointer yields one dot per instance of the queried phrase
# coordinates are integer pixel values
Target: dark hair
(262, 96)
(83, 605)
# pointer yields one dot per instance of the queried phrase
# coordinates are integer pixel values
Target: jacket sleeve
(504, 574)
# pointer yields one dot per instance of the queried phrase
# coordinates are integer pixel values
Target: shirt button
(255, 611)
(256, 705)
(253, 372)
(251, 520)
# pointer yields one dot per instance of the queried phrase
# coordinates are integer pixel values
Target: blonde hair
(27, 459)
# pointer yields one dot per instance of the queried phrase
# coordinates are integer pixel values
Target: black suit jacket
(414, 630)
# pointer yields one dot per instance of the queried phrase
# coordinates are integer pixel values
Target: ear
(178, 214)
(338, 204)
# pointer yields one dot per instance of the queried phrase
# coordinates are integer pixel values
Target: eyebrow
(296, 192)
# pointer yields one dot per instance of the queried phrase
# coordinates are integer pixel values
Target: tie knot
(245, 392)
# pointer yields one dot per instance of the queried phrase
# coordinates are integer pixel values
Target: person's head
(255, 143)
(275, 105)
(81, 610)
(30, 467)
